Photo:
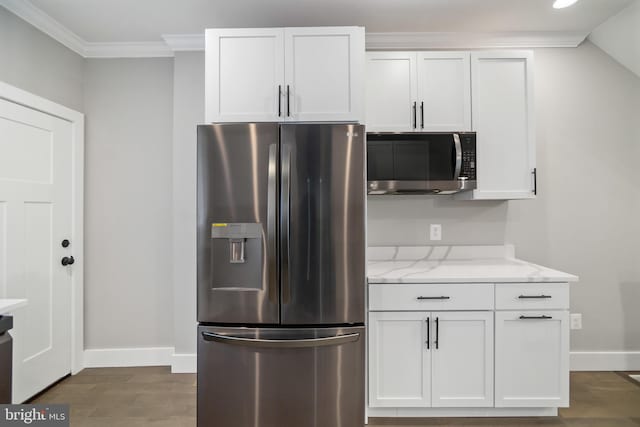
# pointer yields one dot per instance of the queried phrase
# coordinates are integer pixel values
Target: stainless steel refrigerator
(281, 275)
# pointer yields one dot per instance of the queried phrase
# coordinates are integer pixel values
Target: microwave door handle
(458, 148)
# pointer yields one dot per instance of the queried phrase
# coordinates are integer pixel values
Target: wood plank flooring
(153, 396)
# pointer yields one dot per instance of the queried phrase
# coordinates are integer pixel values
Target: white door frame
(29, 100)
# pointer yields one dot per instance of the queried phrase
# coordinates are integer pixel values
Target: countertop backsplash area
(405, 220)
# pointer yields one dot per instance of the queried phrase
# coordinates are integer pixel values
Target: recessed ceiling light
(561, 4)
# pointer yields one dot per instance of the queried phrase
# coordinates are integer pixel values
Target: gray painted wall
(128, 209)
(188, 111)
(585, 219)
(34, 62)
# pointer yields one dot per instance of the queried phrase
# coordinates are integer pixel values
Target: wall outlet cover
(576, 320)
(435, 232)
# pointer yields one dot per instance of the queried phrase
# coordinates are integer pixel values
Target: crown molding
(434, 40)
(128, 50)
(45, 23)
(373, 41)
(184, 42)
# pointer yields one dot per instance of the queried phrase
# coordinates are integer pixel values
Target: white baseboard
(127, 357)
(186, 363)
(605, 360)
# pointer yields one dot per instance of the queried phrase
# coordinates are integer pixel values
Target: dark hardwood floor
(135, 397)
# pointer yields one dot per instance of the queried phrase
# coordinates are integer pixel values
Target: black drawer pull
(535, 317)
(534, 296)
(438, 298)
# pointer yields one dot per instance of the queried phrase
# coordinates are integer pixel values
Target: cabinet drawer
(543, 296)
(428, 297)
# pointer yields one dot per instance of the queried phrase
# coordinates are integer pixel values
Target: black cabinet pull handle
(535, 317)
(428, 332)
(534, 296)
(437, 343)
(288, 106)
(432, 298)
(535, 181)
(68, 260)
(415, 117)
(279, 100)
(422, 115)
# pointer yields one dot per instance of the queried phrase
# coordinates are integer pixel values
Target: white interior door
(35, 216)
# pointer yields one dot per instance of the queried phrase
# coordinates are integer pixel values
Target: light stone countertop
(456, 264)
(8, 305)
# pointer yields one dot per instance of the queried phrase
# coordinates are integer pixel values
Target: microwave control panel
(468, 142)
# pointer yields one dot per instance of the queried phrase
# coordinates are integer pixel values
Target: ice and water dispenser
(236, 255)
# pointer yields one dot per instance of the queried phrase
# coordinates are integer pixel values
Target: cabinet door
(324, 73)
(444, 91)
(532, 359)
(244, 72)
(391, 92)
(399, 361)
(503, 117)
(462, 354)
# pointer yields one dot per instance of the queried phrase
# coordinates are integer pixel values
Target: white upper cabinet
(444, 91)
(285, 74)
(244, 73)
(424, 92)
(324, 73)
(391, 91)
(503, 117)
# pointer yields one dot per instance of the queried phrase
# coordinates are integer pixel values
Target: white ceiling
(110, 21)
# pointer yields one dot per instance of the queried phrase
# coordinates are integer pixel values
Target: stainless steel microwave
(421, 163)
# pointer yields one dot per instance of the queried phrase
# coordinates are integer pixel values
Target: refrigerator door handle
(286, 206)
(271, 223)
(295, 343)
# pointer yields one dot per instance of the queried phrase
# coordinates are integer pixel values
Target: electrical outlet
(435, 232)
(576, 320)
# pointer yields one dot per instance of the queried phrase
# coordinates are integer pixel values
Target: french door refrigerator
(281, 275)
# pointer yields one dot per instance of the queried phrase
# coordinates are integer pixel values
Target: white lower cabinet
(532, 359)
(399, 361)
(438, 349)
(462, 360)
(430, 359)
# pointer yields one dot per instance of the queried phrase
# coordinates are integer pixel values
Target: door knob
(68, 260)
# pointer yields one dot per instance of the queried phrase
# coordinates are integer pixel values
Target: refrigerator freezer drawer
(276, 377)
